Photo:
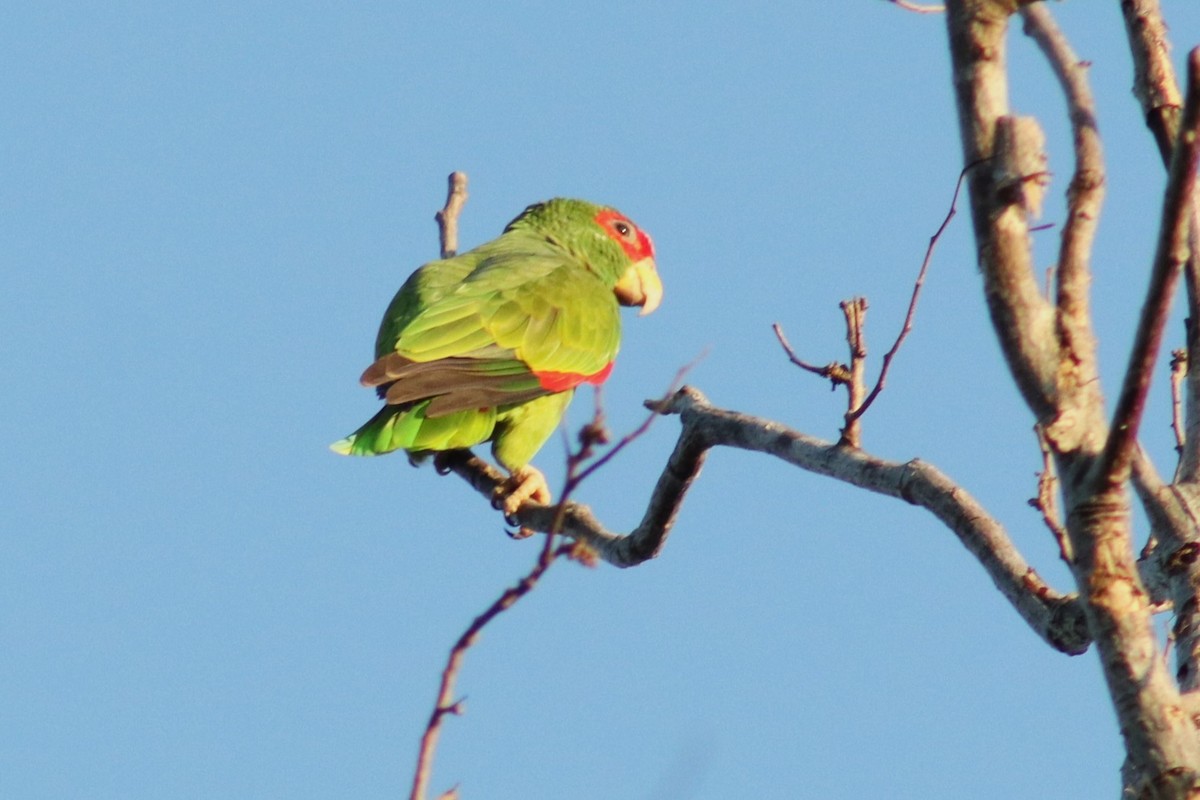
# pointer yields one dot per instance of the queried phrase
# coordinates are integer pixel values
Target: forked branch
(851, 375)
(910, 315)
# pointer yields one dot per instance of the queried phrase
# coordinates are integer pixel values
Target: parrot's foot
(526, 483)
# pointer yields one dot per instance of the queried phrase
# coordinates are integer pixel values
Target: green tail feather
(407, 428)
(388, 430)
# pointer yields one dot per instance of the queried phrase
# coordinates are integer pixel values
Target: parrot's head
(608, 241)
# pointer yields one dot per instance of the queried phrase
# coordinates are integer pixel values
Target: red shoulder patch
(562, 381)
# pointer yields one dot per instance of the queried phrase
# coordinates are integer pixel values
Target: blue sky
(204, 209)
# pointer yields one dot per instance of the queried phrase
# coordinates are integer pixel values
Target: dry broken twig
(447, 217)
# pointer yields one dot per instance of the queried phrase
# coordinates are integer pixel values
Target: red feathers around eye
(635, 242)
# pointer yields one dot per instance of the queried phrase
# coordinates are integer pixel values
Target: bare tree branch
(1055, 617)
(1171, 254)
(1086, 193)
(1157, 91)
(1161, 744)
(1171, 561)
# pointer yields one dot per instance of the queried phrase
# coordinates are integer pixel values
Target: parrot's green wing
(525, 322)
(467, 341)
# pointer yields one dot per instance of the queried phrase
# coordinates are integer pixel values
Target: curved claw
(440, 468)
(526, 483)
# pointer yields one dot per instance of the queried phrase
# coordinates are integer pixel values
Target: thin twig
(1047, 498)
(1171, 253)
(445, 703)
(637, 432)
(592, 434)
(447, 218)
(916, 295)
(851, 376)
(837, 374)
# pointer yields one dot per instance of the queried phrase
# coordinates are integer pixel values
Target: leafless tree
(1047, 338)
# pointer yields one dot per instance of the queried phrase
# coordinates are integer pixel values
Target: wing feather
(478, 338)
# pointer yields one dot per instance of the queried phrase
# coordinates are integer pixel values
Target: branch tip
(447, 217)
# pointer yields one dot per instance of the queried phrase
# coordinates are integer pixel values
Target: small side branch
(1171, 254)
(837, 374)
(1056, 617)
(447, 218)
(1046, 501)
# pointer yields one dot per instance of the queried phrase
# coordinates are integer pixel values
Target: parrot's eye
(622, 228)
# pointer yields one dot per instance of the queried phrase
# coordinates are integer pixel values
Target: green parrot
(489, 345)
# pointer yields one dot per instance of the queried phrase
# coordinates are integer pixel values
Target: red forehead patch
(634, 241)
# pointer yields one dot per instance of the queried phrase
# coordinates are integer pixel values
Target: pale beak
(640, 286)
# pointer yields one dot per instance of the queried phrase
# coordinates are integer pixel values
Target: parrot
(490, 345)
